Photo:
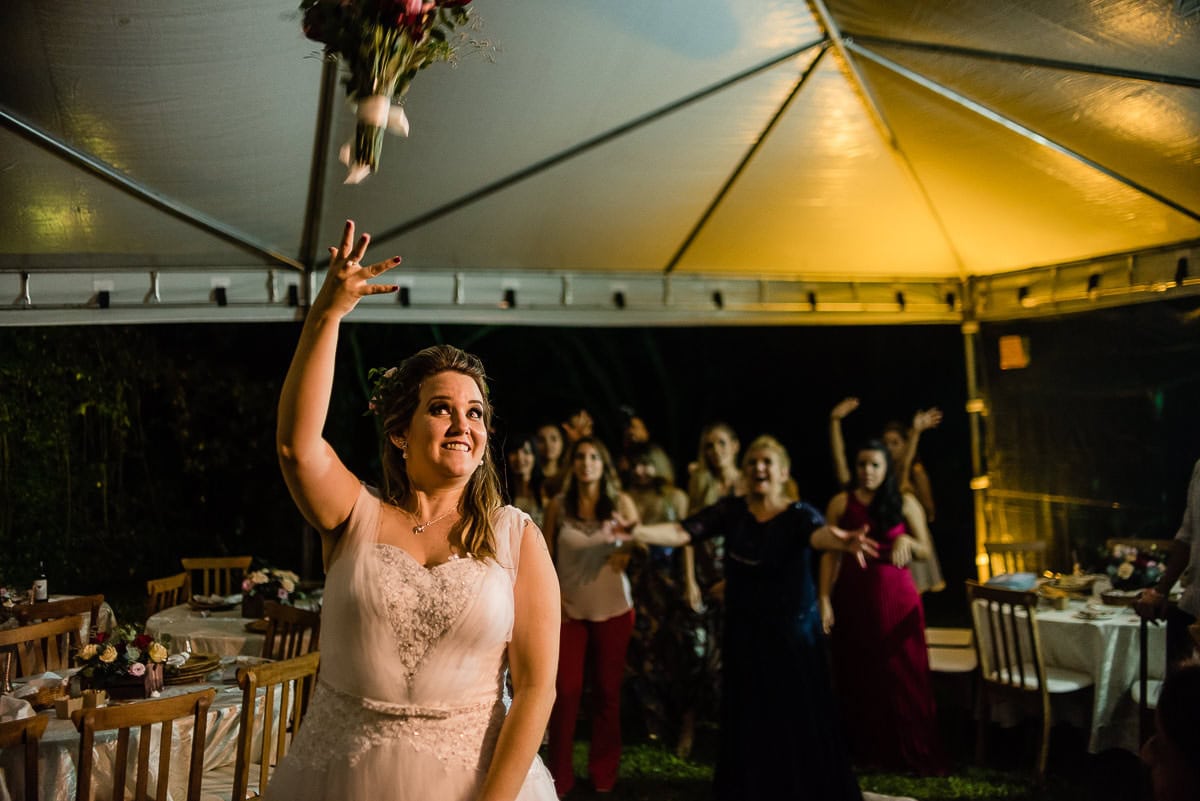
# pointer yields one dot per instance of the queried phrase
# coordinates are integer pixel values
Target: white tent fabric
(160, 160)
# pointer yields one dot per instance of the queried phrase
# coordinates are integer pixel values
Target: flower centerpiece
(123, 662)
(268, 584)
(1133, 568)
(384, 43)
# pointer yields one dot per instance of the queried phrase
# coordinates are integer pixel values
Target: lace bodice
(409, 703)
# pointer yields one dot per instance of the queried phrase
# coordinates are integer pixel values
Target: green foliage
(122, 449)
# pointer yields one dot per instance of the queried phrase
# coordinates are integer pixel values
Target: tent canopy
(669, 162)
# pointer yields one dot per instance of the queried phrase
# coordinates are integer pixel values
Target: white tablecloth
(1108, 651)
(60, 749)
(223, 633)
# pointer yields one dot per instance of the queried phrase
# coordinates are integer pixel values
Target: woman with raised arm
(901, 443)
(780, 736)
(435, 591)
(878, 624)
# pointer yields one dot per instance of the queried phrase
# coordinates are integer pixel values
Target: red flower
(141, 641)
(100, 637)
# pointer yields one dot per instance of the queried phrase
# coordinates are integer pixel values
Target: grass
(650, 771)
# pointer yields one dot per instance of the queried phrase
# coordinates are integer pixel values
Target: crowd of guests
(643, 560)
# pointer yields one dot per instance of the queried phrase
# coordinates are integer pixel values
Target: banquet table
(1106, 649)
(205, 632)
(59, 749)
(224, 633)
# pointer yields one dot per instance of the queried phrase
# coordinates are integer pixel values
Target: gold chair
(143, 716)
(290, 632)
(219, 575)
(163, 593)
(284, 686)
(951, 650)
(25, 734)
(45, 646)
(1011, 665)
(1016, 557)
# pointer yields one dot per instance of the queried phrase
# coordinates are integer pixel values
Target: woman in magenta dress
(874, 615)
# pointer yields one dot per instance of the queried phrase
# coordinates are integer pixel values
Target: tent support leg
(975, 411)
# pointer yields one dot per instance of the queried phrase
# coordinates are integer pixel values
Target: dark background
(124, 448)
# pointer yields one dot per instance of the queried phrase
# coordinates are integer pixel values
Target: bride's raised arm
(320, 484)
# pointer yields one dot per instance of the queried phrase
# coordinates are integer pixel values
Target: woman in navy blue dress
(780, 735)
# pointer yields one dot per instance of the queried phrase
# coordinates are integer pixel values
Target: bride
(435, 592)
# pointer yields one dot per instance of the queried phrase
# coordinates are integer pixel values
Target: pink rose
(283, 594)
(137, 669)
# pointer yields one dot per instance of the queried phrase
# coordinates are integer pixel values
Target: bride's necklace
(420, 527)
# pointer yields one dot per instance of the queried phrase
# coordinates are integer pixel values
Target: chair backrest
(64, 607)
(162, 593)
(290, 631)
(294, 680)
(1006, 639)
(219, 575)
(25, 734)
(44, 646)
(1016, 557)
(142, 716)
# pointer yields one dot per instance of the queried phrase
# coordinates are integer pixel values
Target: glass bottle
(41, 588)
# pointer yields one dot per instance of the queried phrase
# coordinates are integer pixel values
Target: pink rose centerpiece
(268, 584)
(384, 43)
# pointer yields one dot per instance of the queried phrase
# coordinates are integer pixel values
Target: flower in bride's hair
(383, 382)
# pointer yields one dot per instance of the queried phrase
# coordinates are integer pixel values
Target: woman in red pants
(597, 610)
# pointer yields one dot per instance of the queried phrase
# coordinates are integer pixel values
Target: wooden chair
(88, 605)
(291, 632)
(25, 734)
(951, 650)
(143, 716)
(1011, 666)
(284, 686)
(162, 593)
(1016, 557)
(219, 575)
(45, 646)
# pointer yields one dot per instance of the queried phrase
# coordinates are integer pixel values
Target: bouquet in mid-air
(384, 43)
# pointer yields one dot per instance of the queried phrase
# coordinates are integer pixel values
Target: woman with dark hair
(881, 667)
(597, 610)
(523, 479)
(434, 592)
(549, 445)
(780, 738)
(901, 442)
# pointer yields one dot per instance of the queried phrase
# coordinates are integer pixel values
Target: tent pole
(975, 413)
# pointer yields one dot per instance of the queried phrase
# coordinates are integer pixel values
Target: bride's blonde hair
(394, 400)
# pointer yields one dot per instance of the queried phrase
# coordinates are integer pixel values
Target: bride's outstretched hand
(857, 542)
(347, 281)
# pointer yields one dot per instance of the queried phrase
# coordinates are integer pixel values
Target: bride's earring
(402, 444)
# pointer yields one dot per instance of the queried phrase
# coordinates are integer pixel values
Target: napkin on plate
(41, 681)
(12, 708)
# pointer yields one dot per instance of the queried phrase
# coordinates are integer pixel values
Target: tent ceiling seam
(856, 79)
(589, 144)
(1016, 127)
(706, 215)
(136, 189)
(1032, 61)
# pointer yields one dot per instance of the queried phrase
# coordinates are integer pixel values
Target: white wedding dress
(410, 699)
